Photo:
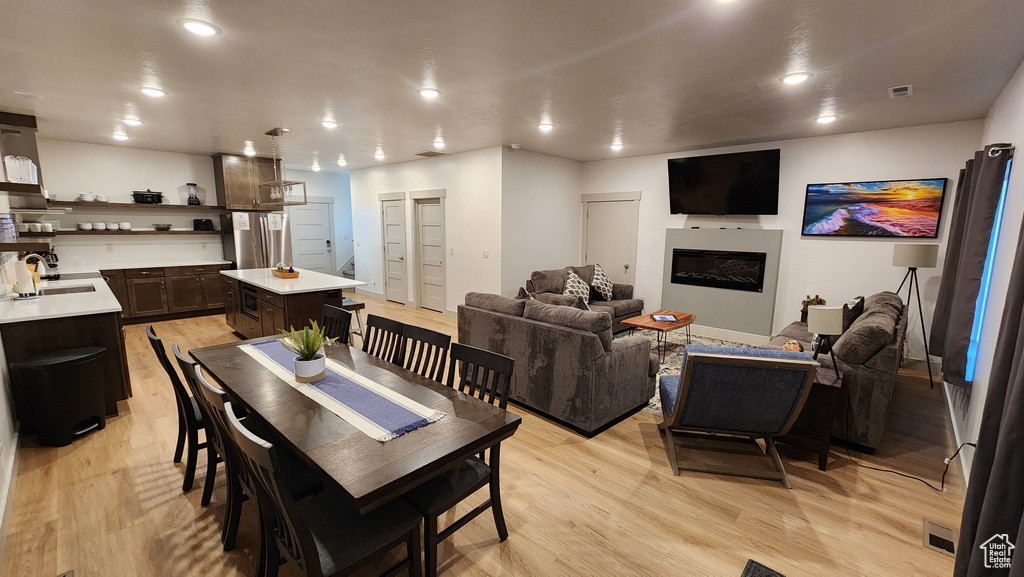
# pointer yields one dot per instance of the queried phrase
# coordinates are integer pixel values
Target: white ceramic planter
(311, 371)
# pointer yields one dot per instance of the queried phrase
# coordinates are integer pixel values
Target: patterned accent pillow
(576, 287)
(602, 284)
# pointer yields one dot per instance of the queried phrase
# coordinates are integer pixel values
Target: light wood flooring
(111, 503)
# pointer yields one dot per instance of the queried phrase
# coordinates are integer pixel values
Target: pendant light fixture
(289, 192)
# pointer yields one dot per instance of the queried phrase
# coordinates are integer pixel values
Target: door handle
(401, 258)
(625, 266)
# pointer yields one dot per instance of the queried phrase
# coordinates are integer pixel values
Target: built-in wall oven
(250, 304)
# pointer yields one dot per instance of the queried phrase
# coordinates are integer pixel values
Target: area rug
(755, 569)
(672, 364)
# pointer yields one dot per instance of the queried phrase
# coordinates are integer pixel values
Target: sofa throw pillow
(523, 295)
(602, 284)
(576, 287)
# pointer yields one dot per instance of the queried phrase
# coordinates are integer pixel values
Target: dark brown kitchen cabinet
(237, 179)
(116, 281)
(232, 308)
(271, 319)
(146, 296)
(184, 294)
(213, 290)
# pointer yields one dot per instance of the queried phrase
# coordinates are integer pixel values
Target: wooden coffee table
(662, 327)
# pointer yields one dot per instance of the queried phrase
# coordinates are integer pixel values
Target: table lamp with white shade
(826, 322)
(915, 256)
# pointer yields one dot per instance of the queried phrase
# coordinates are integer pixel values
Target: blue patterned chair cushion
(720, 395)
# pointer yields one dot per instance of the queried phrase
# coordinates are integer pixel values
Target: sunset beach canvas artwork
(902, 208)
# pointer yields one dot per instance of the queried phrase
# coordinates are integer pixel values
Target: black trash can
(64, 393)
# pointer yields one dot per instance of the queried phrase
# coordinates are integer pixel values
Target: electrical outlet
(487, 253)
(202, 245)
(345, 237)
(110, 248)
(357, 243)
(451, 251)
(373, 282)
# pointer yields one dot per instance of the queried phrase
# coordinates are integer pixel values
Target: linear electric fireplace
(719, 269)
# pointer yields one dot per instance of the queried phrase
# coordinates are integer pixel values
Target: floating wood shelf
(129, 205)
(19, 188)
(114, 232)
(25, 245)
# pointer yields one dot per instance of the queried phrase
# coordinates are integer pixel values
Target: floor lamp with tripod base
(915, 256)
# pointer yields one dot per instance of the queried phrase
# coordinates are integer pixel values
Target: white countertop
(92, 266)
(308, 281)
(61, 306)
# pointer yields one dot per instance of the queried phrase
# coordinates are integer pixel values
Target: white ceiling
(667, 75)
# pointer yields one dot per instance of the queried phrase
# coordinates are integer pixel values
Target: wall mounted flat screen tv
(740, 183)
(900, 208)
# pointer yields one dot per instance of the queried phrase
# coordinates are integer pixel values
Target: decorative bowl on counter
(162, 227)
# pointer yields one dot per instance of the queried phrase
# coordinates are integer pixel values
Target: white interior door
(430, 239)
(396, 286)
(311, 236)
(609, 237)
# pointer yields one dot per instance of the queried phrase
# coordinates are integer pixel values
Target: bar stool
(64, 393)
(355, 307)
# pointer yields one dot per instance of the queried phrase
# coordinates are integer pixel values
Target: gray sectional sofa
(869, 354)
(568, 367)
(547, 286)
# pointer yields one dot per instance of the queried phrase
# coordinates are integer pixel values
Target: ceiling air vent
(901, 91)
(431, 153)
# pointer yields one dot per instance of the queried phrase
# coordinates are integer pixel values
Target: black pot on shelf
(147, 197)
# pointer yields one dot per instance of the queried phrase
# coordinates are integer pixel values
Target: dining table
(368, 472)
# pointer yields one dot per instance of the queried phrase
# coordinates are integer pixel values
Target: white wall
(472, 181)
(1004, 123)
(337, 187)
(540, 215)
(71, 168)
(834, 268)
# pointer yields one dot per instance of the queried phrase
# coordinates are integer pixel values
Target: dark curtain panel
(995, 497)
(974, 212)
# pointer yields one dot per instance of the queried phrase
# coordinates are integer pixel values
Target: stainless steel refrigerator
(256, 239)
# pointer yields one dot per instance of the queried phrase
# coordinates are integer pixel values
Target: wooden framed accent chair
(729, 396)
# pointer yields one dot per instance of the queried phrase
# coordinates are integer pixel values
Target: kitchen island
(77, 312)
(258, 304)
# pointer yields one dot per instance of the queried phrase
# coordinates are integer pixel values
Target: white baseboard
(7, 495)
(369, 293)
(966, 458)
(729, 335)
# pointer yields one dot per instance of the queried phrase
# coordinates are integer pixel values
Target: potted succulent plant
(307, 344)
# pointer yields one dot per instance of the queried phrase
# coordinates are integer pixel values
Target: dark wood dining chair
(425, 351)
(336, 323)
(190, 419)
(383, 339)
(299, 480)
(322, 535)
(486, 376)
(215, 452)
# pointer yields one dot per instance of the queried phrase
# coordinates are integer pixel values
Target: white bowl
(112, 226)
(125, 225)
(85, 226)
(99, 226)
(102, 198)
(86, 197)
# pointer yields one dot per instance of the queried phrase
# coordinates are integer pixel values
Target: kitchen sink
(85, 288)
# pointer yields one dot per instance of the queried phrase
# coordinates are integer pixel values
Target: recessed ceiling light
(379, 155)
(546, 126)
(616, 146)
(316, 165)
(429, 93)
(152, 92)
(439, 143)
(120, 136)
(198, 27)
(342, 161)
(132, 121)
(249, 150)
(827, 119)
(796, 78)
(329, 123)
